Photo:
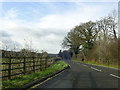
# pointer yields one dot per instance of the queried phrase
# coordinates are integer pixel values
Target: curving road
(82, 75)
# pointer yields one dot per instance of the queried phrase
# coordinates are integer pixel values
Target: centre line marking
(85, 65)
(96, 69)
(114, 76)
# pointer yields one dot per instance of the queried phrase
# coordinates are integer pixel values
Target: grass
(39, 63)
(20, 81)
(97, 63)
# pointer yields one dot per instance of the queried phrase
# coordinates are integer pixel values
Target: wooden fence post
(24, 65)
(33, 64)
(46, 62)
(9, 70)
(40, 63)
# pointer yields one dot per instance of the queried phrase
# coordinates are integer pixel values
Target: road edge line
(27, 86)
(102, 66)
(115, 76)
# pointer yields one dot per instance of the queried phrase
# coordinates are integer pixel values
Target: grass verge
(96, 63)
(20, 81)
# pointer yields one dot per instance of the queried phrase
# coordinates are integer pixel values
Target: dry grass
(105, 53)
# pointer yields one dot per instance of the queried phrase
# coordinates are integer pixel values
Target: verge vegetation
(98, 63)
(96, 41)
(20, 81)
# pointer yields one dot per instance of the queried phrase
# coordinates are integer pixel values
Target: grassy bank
(97, 63)
(19, 81)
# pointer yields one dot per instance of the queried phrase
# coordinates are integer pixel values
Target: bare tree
(113, 22)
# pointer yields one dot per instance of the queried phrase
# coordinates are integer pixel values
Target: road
(82, 75)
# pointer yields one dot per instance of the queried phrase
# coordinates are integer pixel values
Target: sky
(43, 25)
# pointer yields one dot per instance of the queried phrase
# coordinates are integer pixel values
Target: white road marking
(69, 65)
(96, 69)
(45, 80)
(114, 76)
(85, 65)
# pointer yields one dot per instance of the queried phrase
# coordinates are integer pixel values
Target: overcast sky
(44, 25)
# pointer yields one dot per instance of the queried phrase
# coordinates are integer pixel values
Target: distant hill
(52, 55)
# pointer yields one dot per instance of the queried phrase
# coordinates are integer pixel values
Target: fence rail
(15, 66)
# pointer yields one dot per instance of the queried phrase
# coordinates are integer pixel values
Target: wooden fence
(16, 66)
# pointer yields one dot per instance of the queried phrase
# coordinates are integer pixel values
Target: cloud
(11, 14)
(5, 34)
(59, 0)
(8, 44)
(49, 30)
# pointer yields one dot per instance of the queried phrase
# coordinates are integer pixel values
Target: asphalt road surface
(82, 75)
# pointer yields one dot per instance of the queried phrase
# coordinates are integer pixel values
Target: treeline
(22, 53)
(96, 41)
(27, 51)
